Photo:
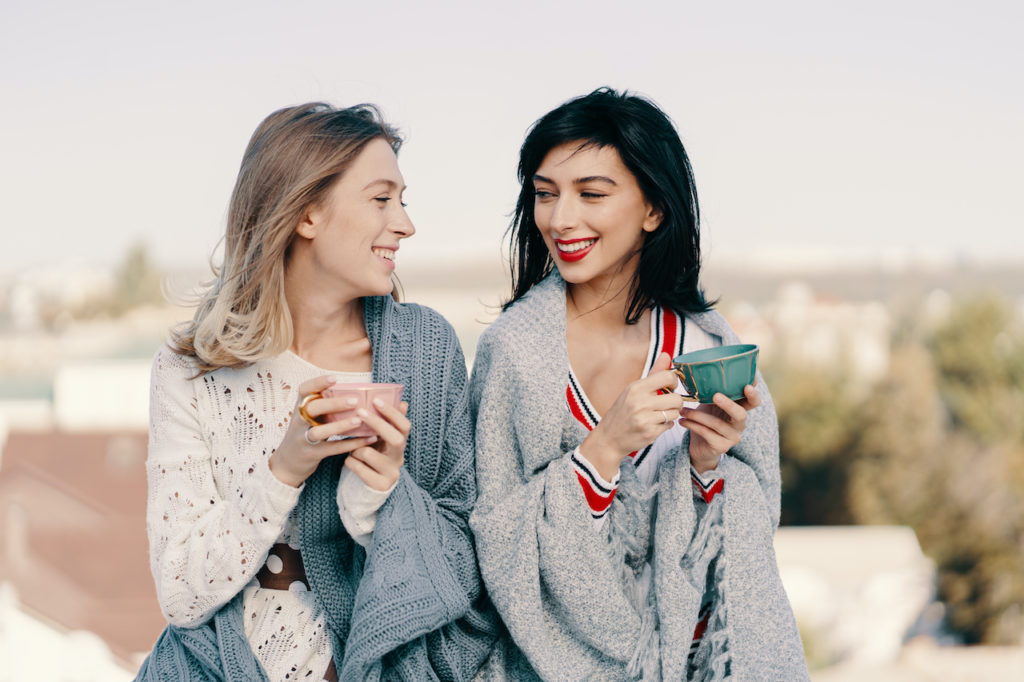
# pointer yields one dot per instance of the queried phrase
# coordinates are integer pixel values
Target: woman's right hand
(641, 413)
(303, 446)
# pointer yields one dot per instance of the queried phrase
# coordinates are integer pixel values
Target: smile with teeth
(576, 246)
(386, 254)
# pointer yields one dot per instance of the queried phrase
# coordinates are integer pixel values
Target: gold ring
(302, 409)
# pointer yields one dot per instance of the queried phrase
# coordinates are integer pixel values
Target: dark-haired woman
(621, 533)
(281, 549)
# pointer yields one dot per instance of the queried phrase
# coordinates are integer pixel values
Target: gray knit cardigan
(560, 585)
(412, 606)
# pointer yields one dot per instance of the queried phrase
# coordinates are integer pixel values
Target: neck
(603, 300)
(321, 319)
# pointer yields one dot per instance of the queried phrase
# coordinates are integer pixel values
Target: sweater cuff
(276, 498)
(598, 492)
(358, 505)
(708, 484)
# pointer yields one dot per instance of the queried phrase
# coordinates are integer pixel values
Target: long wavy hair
(668, 272)
(292, 160)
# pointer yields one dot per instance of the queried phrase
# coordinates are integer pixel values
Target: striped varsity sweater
(672, 334)
(566, 592)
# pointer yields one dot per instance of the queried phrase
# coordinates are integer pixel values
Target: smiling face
(349, 241)
(591, 213)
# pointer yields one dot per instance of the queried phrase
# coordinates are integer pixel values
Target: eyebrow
(383, 181)
(537, 177)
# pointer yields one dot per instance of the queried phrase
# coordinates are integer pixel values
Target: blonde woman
(282, 549)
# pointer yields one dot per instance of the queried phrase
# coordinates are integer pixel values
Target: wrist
(282, 473)
(704, 463)
(601, 455)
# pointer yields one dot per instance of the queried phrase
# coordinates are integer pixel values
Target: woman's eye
(542, 194)
(382, 200)
(592, 195)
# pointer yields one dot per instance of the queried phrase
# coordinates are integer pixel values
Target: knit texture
(411, 607)
(567, 601)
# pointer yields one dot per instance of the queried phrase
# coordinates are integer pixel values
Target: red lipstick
(573, 256)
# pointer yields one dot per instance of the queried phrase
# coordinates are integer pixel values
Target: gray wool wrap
(566, 592)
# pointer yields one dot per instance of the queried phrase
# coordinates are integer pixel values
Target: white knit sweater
(215, 509)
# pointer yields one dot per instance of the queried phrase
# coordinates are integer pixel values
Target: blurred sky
(852, 128)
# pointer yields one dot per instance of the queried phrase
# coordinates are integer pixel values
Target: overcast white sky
(855, 128)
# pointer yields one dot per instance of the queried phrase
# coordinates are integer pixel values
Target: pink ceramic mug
(364, 394)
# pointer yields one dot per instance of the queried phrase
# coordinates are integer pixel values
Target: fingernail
(351, 401)
(371, 439)
(362, 412)
(378, 402)
(355, 422)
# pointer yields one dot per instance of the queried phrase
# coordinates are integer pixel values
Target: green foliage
(136, 283)
(816, 443)
(938, 445)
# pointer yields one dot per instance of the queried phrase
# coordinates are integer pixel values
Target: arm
(759, 449)
(421, 563)
(550, 576)
(204, 548)
(759, 446)
(358, 504)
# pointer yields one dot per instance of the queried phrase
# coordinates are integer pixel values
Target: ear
(652, 221)
(309, 222)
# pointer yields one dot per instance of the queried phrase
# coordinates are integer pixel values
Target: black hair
(669, 269)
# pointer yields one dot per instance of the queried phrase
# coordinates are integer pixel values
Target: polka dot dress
(286, 628)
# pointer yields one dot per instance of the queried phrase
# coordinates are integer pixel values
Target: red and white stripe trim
(707, 489)
(666, 337)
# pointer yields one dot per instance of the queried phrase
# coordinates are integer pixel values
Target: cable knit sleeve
(759, 449)
(550, 578)
(211, 515)
(420, 604)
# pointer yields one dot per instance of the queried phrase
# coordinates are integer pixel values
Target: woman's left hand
(378, 465)
(717, 428)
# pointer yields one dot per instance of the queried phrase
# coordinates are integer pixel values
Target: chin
(573, 275)
(384, 289)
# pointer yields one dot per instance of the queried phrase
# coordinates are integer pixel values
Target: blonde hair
(290, 163)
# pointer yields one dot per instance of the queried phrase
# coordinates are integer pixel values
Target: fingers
(316, 384)
(376, 469)
(659, 380)
(720, 425)
(752, 398)
(397, 416)
(320, 437)
(319, 407)
(698, 420)
(340, 427)
(393, 427)
(661, 363)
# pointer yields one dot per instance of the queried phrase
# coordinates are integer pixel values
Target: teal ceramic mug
(725, 369)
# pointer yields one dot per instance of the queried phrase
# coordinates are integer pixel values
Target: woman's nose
(564, 214)
(402, 225)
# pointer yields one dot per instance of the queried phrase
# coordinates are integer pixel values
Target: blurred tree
(138, 281)
(818, 421)
(981, 360)
(938, 445)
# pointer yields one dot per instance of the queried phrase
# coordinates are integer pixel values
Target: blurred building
(801, 327)
(858, 592)
(74, 556)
